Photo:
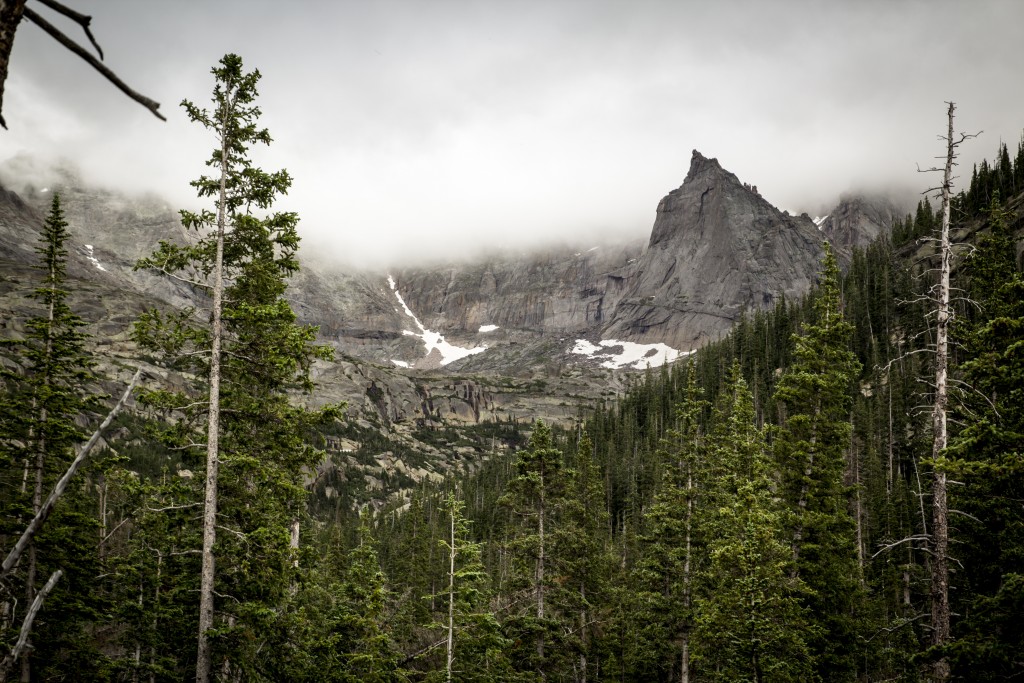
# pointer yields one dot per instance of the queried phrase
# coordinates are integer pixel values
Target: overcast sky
(421, 128)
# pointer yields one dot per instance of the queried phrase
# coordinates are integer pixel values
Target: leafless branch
(899, 624)
(901, 357)
(964, 514)
(58, 490)
(908, 539)
(56, 34)
(112, 531)
(26, 626)
(80, 19)
(174, 507)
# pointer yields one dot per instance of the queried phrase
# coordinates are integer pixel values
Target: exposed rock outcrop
(717, 248)
(859, 219)
(561, 292)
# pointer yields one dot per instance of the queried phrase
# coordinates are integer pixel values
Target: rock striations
(505, 339)
(717, 249)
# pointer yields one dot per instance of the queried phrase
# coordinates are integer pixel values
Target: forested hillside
(762, 511)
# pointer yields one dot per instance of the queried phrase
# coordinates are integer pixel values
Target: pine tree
(253, 353)
(39, 430)
(674, 552)
(531, 497)
(750, 625)
(474, 647)
(368, 653)
(811, 451)
(582, 561)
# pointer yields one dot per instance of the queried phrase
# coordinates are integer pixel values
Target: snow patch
(92, 259)
(45, 189)
(633, 355)
(433, 340)
(400, 363)
(819, 221)
(487, 328)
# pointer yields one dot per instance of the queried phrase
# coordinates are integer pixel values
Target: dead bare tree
(58, 490)
(11, 14)
(940, 611)
(26, 625)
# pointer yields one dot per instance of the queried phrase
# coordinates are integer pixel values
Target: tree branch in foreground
(56, 34)
(82, 20)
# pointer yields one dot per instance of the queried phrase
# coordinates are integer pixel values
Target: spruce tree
(811, 451)
(532, 497)
(750, 625)
(674, 551)
(474, 648)
(582, 560)
(252, 352)
(40, 413)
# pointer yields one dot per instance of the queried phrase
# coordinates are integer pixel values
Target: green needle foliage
(40, 414)
(264, 439)
(989, 455)
(532, 497)
(477, 648)
(750, 624)
(675, 550)
(811, 450)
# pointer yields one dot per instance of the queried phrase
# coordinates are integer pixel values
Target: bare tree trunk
(40, 466)
(58, 490)
(37, 505)
(940, 505)
(10, 16)
(26, 626)
(138, 643)
(540, 581)
(583, 637)
(204, 661)
(451, 599)
(156, 617)
(858, 504)
(684, 664)
(890, 446)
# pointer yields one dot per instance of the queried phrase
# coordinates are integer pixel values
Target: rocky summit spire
(716, 249)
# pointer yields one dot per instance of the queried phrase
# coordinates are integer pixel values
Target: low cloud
(428, 130)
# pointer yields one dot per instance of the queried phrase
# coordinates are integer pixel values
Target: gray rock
(857, 220)
(717, 248)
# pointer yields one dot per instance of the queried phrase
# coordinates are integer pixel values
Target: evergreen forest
(763, 510)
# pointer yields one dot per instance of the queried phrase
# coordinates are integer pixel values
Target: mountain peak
(716, 249)
(701, 165)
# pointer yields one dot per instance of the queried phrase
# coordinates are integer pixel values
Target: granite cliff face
(431, 349)
(717, 249)
(859, 219)
(560, 292)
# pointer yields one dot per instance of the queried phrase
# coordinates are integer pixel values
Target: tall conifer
(252, 353)
(41, 411)
(811, 450)
(750, 624)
